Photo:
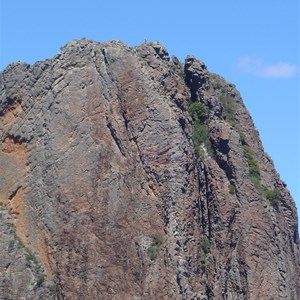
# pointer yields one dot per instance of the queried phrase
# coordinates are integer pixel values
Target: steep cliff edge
(125, 175)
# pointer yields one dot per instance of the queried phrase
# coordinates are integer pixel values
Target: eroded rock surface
(103, 196)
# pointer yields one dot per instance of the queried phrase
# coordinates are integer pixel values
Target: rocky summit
(127, 174)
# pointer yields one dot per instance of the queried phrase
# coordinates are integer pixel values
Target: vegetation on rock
(273, 196)
(154, 248)
(200, 134)
(205, 248)
(198, 112)
(111, 157)
(229, 108)
(254, 171)
(205, 245)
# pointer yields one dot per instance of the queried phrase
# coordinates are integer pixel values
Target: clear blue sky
(254, 44)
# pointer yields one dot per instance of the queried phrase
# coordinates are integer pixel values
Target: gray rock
(102, 185)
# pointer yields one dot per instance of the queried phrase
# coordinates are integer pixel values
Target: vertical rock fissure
(115, 137)
(204, 198)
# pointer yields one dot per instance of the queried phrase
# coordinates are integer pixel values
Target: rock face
(103, 195)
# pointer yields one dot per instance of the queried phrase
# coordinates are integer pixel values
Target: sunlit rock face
(111, 187)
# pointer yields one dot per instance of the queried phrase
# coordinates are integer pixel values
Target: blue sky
(254, 44)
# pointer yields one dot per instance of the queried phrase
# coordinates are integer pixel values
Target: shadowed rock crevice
(115, 137)
(100, 179)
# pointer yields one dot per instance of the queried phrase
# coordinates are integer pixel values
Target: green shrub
(254, 171)
(197, 111)
(154, 248)
(205, 245)
(273, 196)
(200, 136)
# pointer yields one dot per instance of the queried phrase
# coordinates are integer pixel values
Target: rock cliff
(129, 175)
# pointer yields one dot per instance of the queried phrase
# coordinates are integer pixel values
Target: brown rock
(100, 178)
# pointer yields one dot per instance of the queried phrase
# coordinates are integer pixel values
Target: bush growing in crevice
(200, 137)
(254, 171)
(200, 134)
(205, 246)
(273, 196)
(198, 112)
(154, 248)
(203, 262)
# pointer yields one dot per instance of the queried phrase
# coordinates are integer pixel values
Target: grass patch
(254, 171)
(273, 196)
(31, 257)
(242, 137)
(229, 108)
(154, 248)
(19, 241)
(28, 254)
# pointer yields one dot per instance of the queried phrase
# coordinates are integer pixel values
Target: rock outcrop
(110, 188)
